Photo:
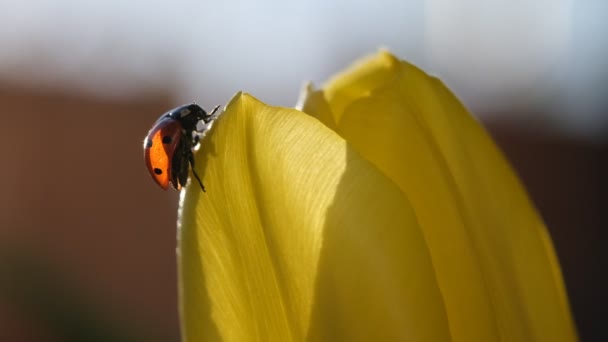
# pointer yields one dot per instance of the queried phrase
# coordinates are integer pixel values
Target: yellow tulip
(385, 213)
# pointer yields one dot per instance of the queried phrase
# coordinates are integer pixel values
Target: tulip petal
(494, 260)
(359, 80)
(313, 102)
(299, 238)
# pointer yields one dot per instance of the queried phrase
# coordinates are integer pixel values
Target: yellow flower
(386, 214)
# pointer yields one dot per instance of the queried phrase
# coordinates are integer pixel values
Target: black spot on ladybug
(166, 139)
(158, 171)
(149, 143)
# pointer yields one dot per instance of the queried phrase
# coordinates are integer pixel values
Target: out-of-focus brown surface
(75, 194)
(566, 180)
(83, 223)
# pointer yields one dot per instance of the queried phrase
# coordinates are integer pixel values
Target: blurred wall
(77, 201)
(566, 179)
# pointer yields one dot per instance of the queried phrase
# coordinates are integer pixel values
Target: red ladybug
(168, 145)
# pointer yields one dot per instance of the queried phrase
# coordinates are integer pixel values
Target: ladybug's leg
(179, 163)
(182, 174)
(191, 159)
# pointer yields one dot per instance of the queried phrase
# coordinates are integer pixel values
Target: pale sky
(489, 52)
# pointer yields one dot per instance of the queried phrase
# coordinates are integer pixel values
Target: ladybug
(168, 145)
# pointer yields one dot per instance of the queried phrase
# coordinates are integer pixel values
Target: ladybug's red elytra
(168, 145)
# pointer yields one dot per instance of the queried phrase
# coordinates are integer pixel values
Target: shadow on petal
(375, 279)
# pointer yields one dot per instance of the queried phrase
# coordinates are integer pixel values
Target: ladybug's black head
(188, 115)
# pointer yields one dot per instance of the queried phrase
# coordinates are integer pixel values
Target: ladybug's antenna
(209, 116)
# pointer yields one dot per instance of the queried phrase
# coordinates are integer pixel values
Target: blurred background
(87, 240)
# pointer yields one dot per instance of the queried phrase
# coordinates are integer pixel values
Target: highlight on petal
(494, 261)
(299, 238)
